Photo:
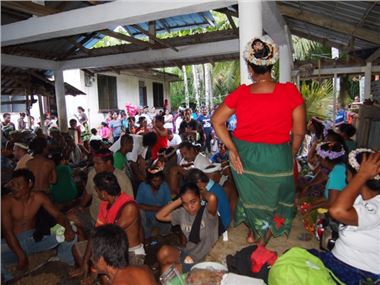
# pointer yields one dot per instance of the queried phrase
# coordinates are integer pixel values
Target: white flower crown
(353, 161)
(249, 52)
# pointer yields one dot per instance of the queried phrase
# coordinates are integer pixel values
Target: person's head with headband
(19, 150)
(261, 54)
(331, 154)
(355, 160)
(103, 161)
(155, 177)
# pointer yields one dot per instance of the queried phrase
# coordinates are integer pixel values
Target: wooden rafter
(123, 37)
(319, 39)
(29, 7)
(150, 35)
(78, 45)
(374, 56)
(329, 23)
(163, 23)
(81, 42)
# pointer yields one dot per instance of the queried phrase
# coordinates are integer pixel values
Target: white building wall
(127, 92)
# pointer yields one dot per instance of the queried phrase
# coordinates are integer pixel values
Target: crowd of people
(143, 171)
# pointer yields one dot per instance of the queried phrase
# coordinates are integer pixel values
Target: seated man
(152, 195)
(110, 256)
(224, 178)
(20, 152)
(43, 168)
(18, 218)
(120, 156)
(117, 208)
(83, 219)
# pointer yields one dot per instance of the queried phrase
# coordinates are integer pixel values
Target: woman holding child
(261, 149)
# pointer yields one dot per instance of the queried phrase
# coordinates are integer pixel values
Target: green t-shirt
(65, 189)
(119, 160)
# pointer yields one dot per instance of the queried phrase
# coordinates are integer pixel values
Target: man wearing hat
(20, 151)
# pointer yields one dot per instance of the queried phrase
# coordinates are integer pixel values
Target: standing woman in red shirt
(271, 124)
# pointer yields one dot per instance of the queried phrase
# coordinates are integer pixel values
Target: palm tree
(226, 78)
(318, 98)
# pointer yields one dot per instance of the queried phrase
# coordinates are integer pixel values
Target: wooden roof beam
(98, 17)
(151, 36)
(123, 37)
(329, 23)
(81, 42)
(374, 56)
(29, 7)
(320, 40)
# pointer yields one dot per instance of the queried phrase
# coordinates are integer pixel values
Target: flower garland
(353, 161)
(250, 51)
(329, 153)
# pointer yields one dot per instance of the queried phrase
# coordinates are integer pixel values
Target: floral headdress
(251, 50)
(354, 162)
(155, 169)
(330, 154)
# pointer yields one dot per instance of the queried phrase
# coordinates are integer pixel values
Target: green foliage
(226, 78)
(317, 98)
(305, 49)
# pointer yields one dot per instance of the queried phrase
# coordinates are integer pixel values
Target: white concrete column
(285, 64)
(361, 89)
(60, 98)
(367, 80)
(250, 26)
(335, 97)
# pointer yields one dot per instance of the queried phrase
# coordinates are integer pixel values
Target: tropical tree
(318, 98)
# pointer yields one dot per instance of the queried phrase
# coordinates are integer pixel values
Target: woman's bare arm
(299, 127)
(219, 119)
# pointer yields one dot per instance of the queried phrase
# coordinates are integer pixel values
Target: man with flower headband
(261, 149)
(355, 257)
(151, 196)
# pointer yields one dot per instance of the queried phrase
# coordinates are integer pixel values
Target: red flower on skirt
(279, 221)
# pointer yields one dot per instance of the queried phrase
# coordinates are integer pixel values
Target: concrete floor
(237, 240)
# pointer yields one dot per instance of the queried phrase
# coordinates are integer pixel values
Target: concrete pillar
(250, 26)
(367, 80)
(61, 101)
(361, 89)
(335, 97)
(285, 64)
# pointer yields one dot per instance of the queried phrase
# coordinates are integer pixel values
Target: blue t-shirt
(115, 126)
(231, 123)
(145, 195)
(223, 204)
(206, 123)
(218, 157)
(337, 179)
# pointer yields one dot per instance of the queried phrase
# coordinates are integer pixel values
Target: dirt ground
(56, 273)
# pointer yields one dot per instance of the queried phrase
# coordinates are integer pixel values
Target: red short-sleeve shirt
(264, 117)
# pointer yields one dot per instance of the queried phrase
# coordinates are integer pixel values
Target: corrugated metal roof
(361, 14)
(171, 24)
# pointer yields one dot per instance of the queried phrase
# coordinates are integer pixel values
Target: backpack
(299, 267)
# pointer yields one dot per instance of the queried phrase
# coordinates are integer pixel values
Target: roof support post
(61, 101)
(334, 98)
(285, 64)
(367, 80)
(250, 26)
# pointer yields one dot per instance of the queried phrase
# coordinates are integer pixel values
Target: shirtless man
(43, 168)
(110, 258)
(120, 209)
(18, 218)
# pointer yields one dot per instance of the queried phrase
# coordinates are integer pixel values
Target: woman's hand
(236, 162)
(370, 166)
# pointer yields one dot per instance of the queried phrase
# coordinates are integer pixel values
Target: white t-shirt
(175, 141)
(200, 161)
(138, 148)
(359, 246)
